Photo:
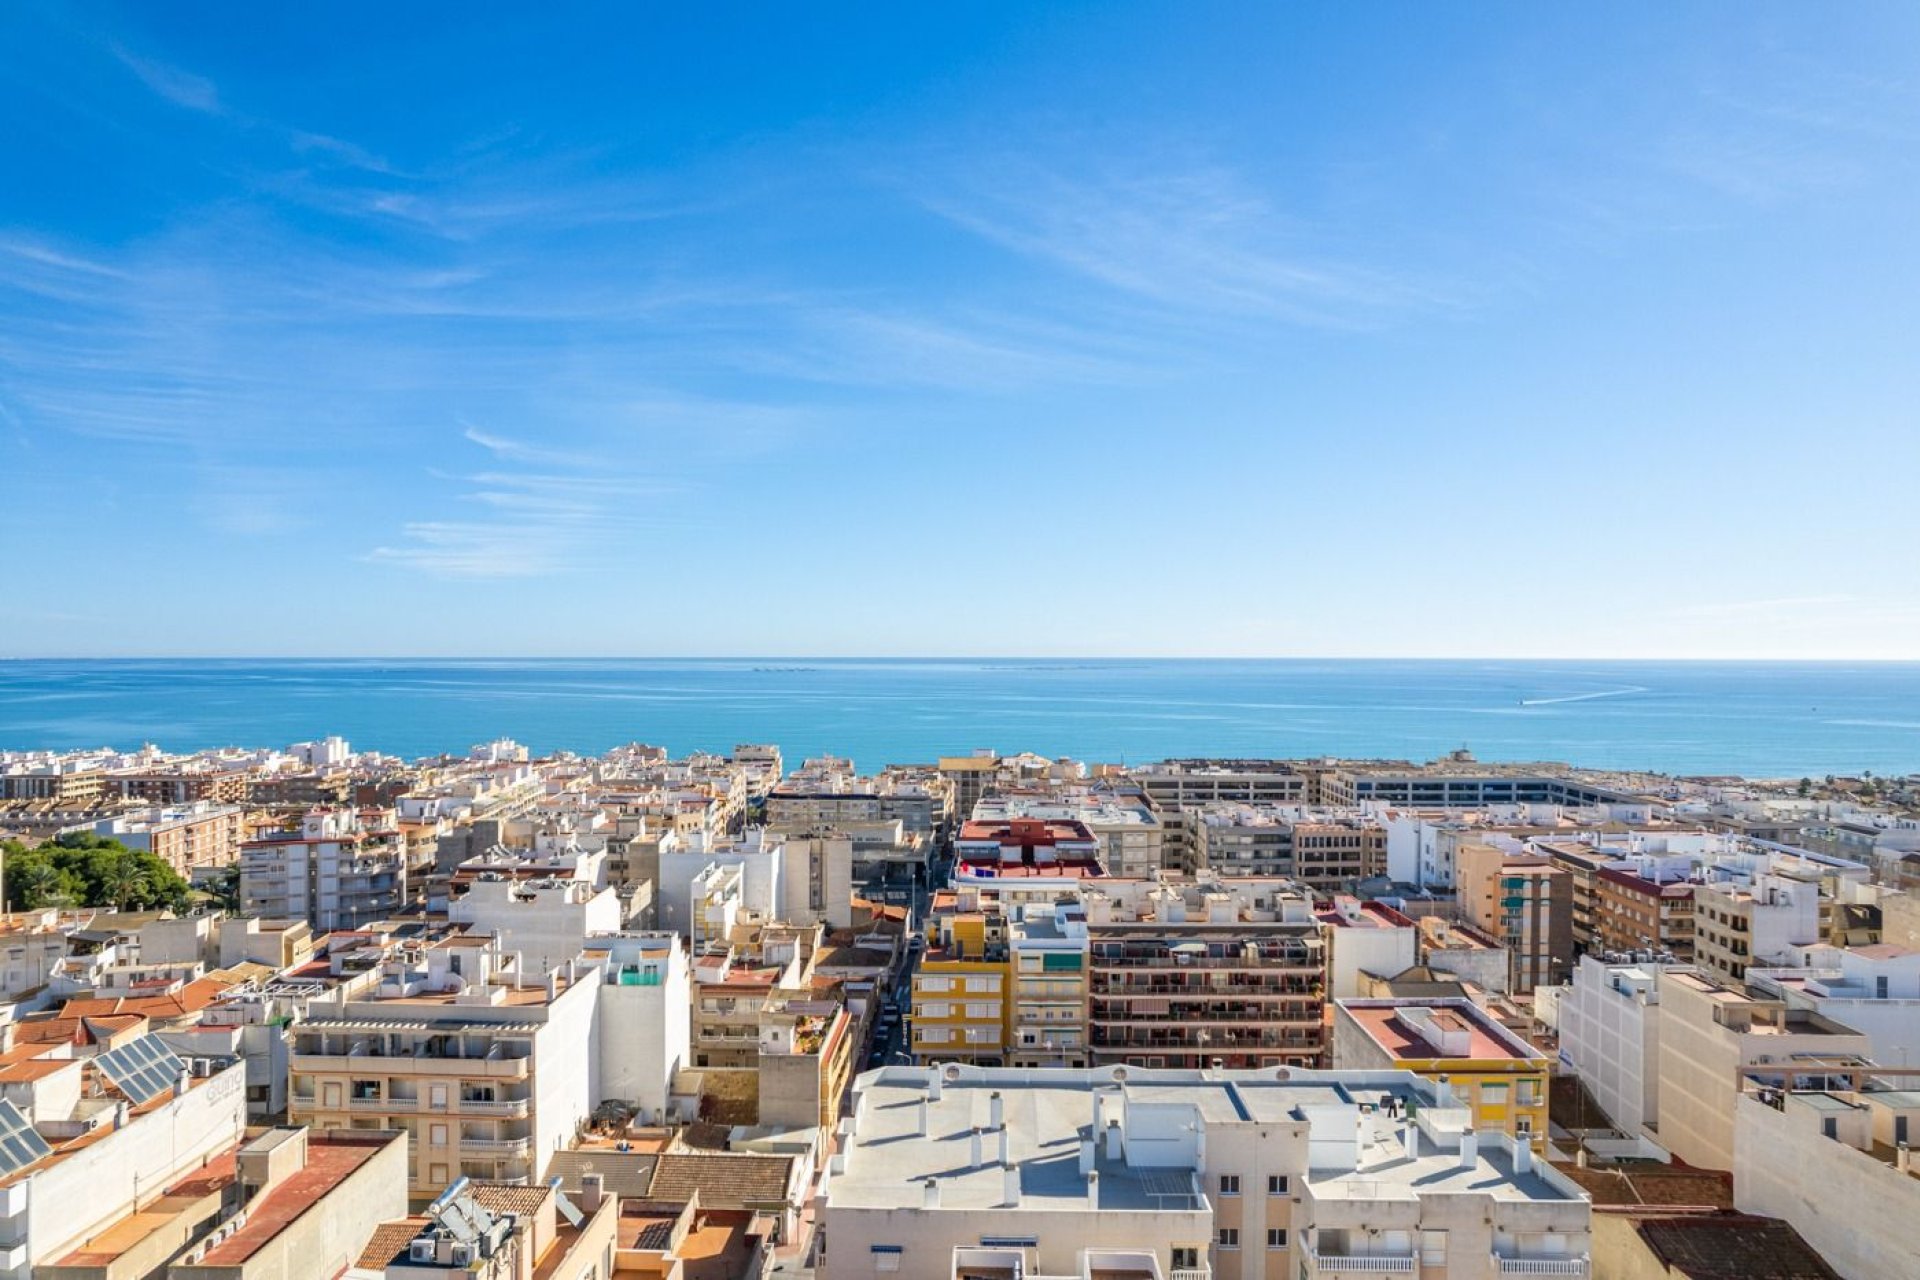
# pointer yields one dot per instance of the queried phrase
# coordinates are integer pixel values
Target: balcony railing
(1540, 1266)
(1340, 1264)
(1190, 1273)
(495, 1146)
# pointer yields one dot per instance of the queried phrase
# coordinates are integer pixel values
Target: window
(1277, 1184)
(980, 1011)
(1276, 1237)
(886, 1257)
(1229, 1237)
(1229, 1184)
(1433, 1248)
(1185, 1256)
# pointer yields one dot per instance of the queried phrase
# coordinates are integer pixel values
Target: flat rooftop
(1486, 1039)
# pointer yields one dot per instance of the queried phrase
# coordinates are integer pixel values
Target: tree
(82, 869)
(1806, 786)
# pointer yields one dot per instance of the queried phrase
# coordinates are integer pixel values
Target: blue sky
(1523, 330)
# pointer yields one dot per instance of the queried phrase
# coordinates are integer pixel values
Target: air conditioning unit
(421, 1250)
(463, 1255)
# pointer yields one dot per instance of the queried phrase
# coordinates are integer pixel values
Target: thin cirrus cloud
(1189, 242)
(546, 513)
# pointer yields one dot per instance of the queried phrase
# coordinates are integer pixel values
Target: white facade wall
(762, 873)
(546, 922)
(64, 1203)
(1383, 950)
(1856, 1211)
(1610, 1036)
(645, 1033)
(566, 1069)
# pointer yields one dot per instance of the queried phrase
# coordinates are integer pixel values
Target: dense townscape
(319, 1012)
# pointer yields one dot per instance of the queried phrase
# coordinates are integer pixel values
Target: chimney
(1093, 1190)
(553, 983)
(996, 1110)
(1469, 1148)
(920, 1118)
(1086, 1156)
(1005, 1144)
(1115, 1146)
(1903, 1158)
(1522, 1155)
(976, 1146)
(1580, 1157)
(593, 1191)
(933, 1084)
(1009, 1183)
(1443, 1091)
(1413, 1140)
(930, 1194)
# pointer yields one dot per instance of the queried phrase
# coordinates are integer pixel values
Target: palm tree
(124, 883)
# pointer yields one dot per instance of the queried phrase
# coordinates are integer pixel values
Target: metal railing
(1540, 1266)
(1362, 1264)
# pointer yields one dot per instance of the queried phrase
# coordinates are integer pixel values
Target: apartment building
(544, 921)
(1874, 989)
(1049, 849)
(1835, 1166)
(91, 1140)
(961, 990)
(1047, 950)
(827, 792)
(1132, 835)
(1185, 1175)
(287, 1203)
(339, 869)
(1634, 912)
(487, 1071)
(1525, 902)
(1708, 1030)
(1182, 785)
(1365, 938)
(1204, 973)
(183, 836)
(1497, 1076)
(645, 1018)
(1742, 922)
(1326, 850)
(1610, 1035)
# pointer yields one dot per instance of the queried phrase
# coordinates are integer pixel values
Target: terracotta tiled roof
(725, 1180)
(509, 1197)
(390, 1240)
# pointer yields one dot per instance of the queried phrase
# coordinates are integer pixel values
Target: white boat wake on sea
(1584, 697)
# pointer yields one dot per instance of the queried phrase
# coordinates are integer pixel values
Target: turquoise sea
(1690, 717)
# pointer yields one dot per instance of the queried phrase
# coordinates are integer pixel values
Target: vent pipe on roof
(930, 1194)
(976, 1147)
(1093, 1190)
(996, 1110)
(1469, 1148)
(1009, 1183)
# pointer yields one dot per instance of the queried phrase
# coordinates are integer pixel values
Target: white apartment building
(1738, 922)
(545, 921)
(1610, 1035)
(1707, 1032)
(340, 869)
(645, 1018)
(1365, 937)
(487, 1070)
(89, 1143)
(1873, 989)
(955, 1171)
(762, 861)
(1834, 1167)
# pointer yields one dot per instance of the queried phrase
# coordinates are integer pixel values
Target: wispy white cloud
(181, 88)
(1198, 242)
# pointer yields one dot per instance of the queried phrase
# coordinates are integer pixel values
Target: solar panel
(143, 1069)
(20, 1146)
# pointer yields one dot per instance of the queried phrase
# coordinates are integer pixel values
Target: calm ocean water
(1754, 718)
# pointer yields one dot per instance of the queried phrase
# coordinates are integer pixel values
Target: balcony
(1190, 1273)
(1508, 1266)
(1345, 1264)
(496, 1148)
(513, 1108)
